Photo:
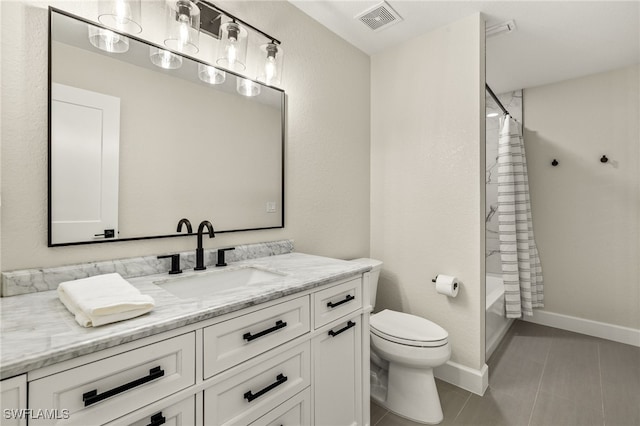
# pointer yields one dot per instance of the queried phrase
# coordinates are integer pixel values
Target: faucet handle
(175, 263)
(220, 253)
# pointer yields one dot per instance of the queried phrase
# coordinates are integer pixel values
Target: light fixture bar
(236, 19)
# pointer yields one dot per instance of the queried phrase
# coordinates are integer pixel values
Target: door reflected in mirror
(178, 145)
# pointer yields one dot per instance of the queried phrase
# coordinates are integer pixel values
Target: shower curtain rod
(495, 98)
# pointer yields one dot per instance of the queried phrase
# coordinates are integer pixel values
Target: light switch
(271, 206)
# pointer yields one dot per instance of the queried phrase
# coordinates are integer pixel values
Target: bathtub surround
(427, 186)
(512, 101)
(327, 166)
(588, 213)
(496, 323)
(45, 279)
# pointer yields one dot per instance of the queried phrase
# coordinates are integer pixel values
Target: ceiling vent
(379, 17)
(503, 28)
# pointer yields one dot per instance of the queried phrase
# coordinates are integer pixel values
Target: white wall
(326, 153)
(427, 179)
(586, 214)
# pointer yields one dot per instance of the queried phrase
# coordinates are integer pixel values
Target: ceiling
(553, 40)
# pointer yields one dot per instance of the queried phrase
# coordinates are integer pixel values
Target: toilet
(409, 347)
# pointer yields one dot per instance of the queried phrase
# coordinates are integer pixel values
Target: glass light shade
(270, 70)
(247, 87)
(122, 15)
(211, 75)
(232, 47)
(164, 59)
(107, 40)
(183, 26)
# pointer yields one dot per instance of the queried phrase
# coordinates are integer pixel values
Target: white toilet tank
(376, 266)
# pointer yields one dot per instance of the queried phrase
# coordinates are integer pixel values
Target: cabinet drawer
(181, 413)
(294, 412)
(336, 302)
(103, 390)
(234, 341)
(251, 393)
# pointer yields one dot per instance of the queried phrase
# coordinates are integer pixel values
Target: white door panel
(85, 138)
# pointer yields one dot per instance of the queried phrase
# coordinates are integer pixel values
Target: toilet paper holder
(455, 285)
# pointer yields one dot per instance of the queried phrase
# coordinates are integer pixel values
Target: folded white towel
(103, 299)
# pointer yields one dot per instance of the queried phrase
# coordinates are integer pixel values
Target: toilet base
(412, 394)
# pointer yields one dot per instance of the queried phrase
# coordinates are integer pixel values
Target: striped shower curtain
(521, 269)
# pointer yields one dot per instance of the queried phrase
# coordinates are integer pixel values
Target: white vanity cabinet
(13, 401)
(292, 361)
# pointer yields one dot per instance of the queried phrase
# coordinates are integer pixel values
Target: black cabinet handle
(279, 324)
(280, 379)
(349, 298)
(92, 397)
(157, 419)
(345, 328)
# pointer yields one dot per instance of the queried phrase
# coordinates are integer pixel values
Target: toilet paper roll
(447, 285)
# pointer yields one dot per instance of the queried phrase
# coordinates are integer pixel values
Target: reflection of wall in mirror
(203, 155)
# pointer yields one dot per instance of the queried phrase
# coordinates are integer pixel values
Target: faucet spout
(184, 221)
(199, 250)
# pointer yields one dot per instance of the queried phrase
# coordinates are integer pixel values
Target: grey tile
(552, 410)
(620, 370)
(621, 407)
(391, 419)
(377, 412)
(572, 369)
(520, 378)
(619, 362)
(495, 408)
(452, 400)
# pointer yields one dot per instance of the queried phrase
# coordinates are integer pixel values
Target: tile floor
(543, 376)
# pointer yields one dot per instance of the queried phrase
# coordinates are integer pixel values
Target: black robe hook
(604, 159)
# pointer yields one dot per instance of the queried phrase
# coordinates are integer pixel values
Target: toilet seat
(407, 329)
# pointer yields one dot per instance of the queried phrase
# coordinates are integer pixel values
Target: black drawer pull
(157, 419)
(250, 396)
(279, 324)
(349, 298)
(92, 397)
(345, 328)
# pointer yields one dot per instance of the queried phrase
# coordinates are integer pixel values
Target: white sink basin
(208, 283)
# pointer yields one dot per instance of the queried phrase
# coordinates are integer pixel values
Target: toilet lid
(407, 329)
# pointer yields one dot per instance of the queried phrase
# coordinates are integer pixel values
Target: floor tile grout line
(462, 408)
(382, 417)
(604, 421)
(544, 367)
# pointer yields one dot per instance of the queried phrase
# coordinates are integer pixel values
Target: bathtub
(496, 322)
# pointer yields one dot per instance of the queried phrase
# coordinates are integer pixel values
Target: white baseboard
(475, 381)
(617, 333)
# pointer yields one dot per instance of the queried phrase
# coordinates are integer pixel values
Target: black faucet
(199, 251)
(185, 221)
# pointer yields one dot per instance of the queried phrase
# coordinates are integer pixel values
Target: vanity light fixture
(164, 59)
(121, 15)
(247, 87)
(183, 26)
(232, 48)
(270, 71)
(107, 40)
(211, 75)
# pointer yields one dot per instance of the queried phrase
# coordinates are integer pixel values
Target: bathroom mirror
(133, 147)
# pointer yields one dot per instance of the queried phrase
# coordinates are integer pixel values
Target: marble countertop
(36, 330)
